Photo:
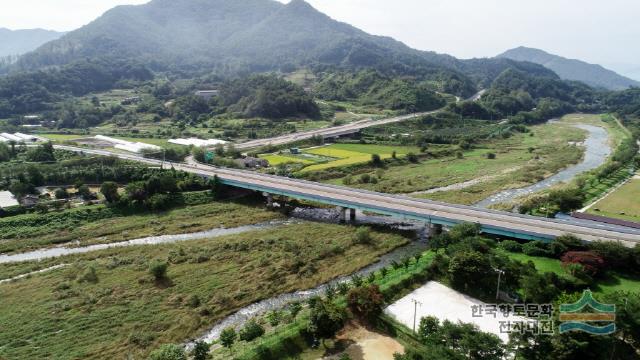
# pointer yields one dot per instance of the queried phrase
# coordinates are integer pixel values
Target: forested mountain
(230, 36)
(18, 42)
(569, 69)
(527, 98)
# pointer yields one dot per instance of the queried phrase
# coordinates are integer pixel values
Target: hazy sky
(594, 30)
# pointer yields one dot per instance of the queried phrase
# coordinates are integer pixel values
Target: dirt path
(366, 344)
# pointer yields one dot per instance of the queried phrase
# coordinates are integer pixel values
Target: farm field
(29, 231)
(623, 203)
(106, 305)
(520, 160)
(277, 159)
(350, 154)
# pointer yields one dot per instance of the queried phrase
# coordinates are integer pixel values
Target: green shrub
(158, 202)
(362, 236)
(89, 275)
(168, 352)
(200, 350)
(537, 248)
(251, 330)
(194, 301)
(294, 309)
(158, 269)
(510, 245)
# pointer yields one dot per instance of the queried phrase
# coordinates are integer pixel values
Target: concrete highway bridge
(434, 214)
(326, 133)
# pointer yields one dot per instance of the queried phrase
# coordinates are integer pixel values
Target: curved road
(492, 221)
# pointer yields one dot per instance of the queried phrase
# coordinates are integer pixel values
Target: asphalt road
(387, 203)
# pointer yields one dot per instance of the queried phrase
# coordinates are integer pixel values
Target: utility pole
(500, 272)
(415, 312)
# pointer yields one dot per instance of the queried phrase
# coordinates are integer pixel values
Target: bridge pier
(434, 229)
(269, 199)
(343, 215)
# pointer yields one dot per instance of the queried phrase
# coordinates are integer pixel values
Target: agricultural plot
(623, 203)
(278, 159)
(519, 160)
(351, 154)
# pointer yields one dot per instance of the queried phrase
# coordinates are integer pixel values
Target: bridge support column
(269, 200)
(352, 215)
(343, 215)
(435, 229)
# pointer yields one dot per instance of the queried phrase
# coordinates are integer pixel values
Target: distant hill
(191, 36)
(18, 42)
(569, 69)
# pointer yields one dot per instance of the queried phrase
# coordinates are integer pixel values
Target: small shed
(30, 201)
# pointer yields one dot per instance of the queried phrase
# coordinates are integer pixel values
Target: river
(58, 251)
(240, 317)
(280, 301)
(597, 150)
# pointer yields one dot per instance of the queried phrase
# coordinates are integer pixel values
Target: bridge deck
(493, 222)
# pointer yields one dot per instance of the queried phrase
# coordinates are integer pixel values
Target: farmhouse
(207, 94)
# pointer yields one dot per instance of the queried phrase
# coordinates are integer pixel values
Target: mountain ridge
(572, 69)
(18, 42)
(228, 36)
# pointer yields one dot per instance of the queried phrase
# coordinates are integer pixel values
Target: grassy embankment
(123, 312)
(623, 203)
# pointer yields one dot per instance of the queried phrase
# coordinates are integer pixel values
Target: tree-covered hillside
(526, 98)
(38, 90)
(369, 87)
(195, 37)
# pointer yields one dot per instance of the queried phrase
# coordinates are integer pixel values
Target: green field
(277, 159)
(623, 203)
(62, 137)
(610, 282)
(520, 160)
(123, 313)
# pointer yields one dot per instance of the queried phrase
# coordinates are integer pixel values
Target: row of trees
(155, 192)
